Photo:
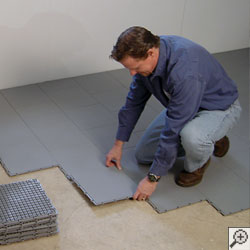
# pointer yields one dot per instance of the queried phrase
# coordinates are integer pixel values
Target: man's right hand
(113, 158)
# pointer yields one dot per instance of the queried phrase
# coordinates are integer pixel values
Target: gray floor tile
(134, 139)
(57, 85)
(94, 116)
(113, 101)
(71, 148)
(24, 95)
(237, 158)
(123, 76)
(18, 145)
(98, 83)
(147, 116)
(168, 195)
(155, 104)
(241, 129)
(76, 121)
(48, 122)
(68, 98)
(99, 183)
(236, 64)
(235, 166)
(104, 137)
(134, 170)
(225, 190)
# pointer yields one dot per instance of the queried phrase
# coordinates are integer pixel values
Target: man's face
(144, 67)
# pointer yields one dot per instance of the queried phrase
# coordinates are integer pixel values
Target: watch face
(152, 177)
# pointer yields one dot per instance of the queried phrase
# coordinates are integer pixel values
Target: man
(200, 100)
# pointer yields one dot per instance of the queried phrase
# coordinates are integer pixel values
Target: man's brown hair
(135, 42)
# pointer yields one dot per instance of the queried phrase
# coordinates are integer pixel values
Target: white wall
(51, 39)
(219, 25)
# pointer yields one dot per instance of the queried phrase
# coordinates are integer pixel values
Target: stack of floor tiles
(25, 212)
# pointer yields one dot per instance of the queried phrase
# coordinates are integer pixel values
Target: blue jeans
(197, 138)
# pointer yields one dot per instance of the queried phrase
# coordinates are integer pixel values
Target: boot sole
(188, 185)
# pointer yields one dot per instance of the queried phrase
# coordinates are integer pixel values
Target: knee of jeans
(193, 141)
(138, 154)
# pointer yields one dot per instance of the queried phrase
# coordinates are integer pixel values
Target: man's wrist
(119, 143)
(153, 178)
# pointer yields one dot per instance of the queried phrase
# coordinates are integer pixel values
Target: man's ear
(151, 52)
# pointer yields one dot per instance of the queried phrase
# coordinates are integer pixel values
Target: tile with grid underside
(25, 212)
(24, 201)
(27, 237)
(31, 231)
(37, 222)
(28, 226)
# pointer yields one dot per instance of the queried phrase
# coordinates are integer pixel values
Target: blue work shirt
(187, 78)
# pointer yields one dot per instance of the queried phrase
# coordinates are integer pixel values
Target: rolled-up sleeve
(131, 111)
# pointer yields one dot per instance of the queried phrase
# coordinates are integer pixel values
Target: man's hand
(113, 158)
(144, 189)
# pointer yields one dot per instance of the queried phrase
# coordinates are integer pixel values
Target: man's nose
(132, 72)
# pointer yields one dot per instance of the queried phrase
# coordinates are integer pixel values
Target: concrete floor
(125, 224)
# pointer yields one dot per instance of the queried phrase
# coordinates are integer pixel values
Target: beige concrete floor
(125, 225)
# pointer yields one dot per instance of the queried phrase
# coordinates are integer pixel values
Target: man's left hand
(144, 189)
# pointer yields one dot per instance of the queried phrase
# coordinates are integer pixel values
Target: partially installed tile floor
(72, 123)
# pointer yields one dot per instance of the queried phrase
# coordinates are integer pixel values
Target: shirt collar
(162, 61)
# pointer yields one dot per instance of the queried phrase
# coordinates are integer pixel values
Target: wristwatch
(153, 177)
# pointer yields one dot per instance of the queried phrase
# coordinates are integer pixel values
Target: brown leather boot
(186, 179)
(221, 147)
